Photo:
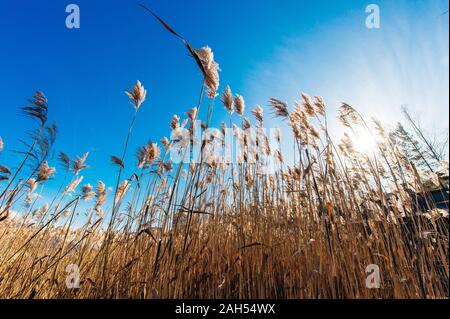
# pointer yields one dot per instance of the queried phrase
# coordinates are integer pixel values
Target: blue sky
(265, 48)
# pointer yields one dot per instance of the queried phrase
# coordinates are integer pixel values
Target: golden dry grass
(210, 229)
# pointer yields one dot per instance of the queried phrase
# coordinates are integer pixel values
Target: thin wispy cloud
(405, 62)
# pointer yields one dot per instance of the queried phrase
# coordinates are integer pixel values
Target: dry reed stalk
(306, 230)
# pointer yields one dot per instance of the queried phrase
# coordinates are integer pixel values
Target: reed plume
(271, 222)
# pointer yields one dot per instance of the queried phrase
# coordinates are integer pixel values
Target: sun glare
(364, 142)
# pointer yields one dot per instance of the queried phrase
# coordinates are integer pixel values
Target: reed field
(303, 221)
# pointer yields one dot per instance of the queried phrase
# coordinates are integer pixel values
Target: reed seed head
(258, 113)
(227, 100)
(45, 172)
(137, 95)
(239, 104)
(280, 108)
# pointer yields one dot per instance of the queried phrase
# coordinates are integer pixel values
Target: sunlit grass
(213, 229)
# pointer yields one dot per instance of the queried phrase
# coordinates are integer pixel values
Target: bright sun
(364, 142)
